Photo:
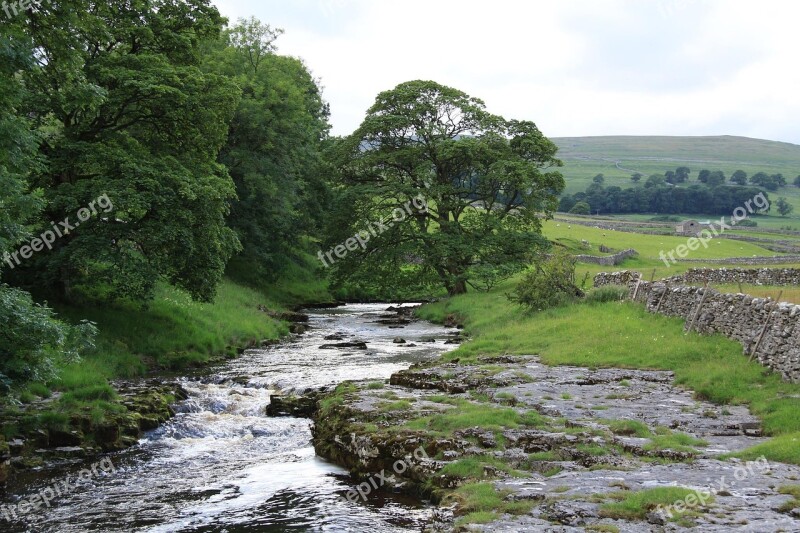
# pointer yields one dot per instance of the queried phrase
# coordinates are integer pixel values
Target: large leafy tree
(124, 110)
(32, 340)
(486, 181)
(273, 150)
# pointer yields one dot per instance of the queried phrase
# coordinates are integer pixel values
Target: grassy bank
(171, 333)
(624, 335)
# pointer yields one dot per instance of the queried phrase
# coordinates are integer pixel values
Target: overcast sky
(581, 67)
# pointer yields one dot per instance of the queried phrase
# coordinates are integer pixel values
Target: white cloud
(594, 67)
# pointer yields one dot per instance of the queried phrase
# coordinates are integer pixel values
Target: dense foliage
(142, 143)
(659, 197)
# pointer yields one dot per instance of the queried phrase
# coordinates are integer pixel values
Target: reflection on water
(221, 465)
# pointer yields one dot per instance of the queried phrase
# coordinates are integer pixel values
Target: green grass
(476, 468)
(680, 442)
(401, 405)
(783, 448)
(480, 503)
(649, 246)
(470, 414)
(794, 492)
(629, 428)
(636, 505)
(174, 331)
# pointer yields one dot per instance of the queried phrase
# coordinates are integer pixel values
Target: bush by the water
(549, 282)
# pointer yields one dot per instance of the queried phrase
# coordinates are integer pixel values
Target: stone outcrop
(298, 406)
(564, 439)
(767, 330)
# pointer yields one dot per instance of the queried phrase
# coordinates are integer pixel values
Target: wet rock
(289, 316)
(58, 438)
(393, 321)
(751, 429)
(14, 446)
(655, 518)
(570, 513)
(334, 337)
(399, 340)
(297, 406)
(5, 457)
(298, 328)
(107, 435)
(452, 321)
(344, 345)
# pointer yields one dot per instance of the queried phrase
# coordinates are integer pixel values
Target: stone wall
(610, 260)
(768, 328)
(753, 276)
(763, 260)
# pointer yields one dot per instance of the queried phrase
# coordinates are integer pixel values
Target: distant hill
(617, 157)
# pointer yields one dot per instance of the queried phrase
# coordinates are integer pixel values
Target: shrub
(34, 341)
(550, 282)
(581, 208)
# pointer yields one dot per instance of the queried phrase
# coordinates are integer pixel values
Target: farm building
(689, 228)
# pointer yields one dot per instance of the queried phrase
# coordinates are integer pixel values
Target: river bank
(222, 459)
(107, 400)
(594, 432)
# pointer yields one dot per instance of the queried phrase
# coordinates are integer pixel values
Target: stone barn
(689, 228)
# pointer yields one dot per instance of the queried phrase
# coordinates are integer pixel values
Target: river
(222, 465)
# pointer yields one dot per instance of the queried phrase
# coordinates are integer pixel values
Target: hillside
(616, 157)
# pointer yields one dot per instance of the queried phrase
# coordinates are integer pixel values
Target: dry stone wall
(767, 330)
(609, 260)
(753, 276)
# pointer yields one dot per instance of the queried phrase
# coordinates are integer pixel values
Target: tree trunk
(460, 287)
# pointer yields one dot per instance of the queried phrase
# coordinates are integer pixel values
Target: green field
(617, 157)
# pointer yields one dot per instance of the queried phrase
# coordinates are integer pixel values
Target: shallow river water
(222, 465)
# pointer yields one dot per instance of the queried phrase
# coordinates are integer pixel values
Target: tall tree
(126, 113)
(485, 179)
(739, 177)
(32, 340)
(715, 179)
(254, 40)
(783, 206)
(273, 151)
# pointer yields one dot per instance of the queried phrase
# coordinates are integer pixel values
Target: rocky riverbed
(559, 444)
(144, 405)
